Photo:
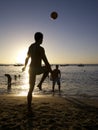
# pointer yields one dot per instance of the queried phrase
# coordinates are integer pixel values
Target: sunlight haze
(71, 38)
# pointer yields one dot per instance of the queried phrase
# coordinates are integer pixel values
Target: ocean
(75, 81)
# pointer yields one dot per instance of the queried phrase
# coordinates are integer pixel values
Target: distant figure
(15, 77)
(9, 81)
(37, 54)
(19, 76)
(56, 76)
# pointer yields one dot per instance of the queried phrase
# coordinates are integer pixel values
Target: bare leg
(31, 83)
(29, 98)
(59, 86)
(42, 80)
(59, 89)
(53, 86)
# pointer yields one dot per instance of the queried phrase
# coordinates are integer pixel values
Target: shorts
(57, 80)
(38, 71)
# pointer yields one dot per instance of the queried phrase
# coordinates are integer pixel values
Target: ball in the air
(54, 15)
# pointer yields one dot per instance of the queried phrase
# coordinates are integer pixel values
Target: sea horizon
(61, 64)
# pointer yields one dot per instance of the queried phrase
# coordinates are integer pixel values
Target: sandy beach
(48, 113)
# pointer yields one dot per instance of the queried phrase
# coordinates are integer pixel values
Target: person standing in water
(9, 81)
(56, 76)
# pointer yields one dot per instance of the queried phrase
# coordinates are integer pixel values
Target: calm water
(75, 81)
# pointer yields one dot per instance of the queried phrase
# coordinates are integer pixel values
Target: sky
(70, 39)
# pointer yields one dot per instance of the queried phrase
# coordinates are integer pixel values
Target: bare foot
(40, 87)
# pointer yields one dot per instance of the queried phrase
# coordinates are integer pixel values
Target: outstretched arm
(26, 62)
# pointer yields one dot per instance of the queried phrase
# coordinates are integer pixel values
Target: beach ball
(54, 15)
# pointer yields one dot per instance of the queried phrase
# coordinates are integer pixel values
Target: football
(54, 15)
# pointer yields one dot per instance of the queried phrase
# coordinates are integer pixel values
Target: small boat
(81, 65)
(18, 64)
(64, 65)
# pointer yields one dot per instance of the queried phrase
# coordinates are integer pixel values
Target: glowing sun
(21, 56)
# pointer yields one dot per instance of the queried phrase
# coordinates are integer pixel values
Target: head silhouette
(38, 37)
(57, 66)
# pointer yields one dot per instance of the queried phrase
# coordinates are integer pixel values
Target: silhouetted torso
(56, 73)
(36, 53)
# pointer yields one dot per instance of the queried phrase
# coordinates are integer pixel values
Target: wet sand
(48, 113)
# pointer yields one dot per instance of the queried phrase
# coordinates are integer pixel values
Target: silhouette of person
(37, 55)
(9, 81)
(19, 76)
(15, 77)
(56, 76)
